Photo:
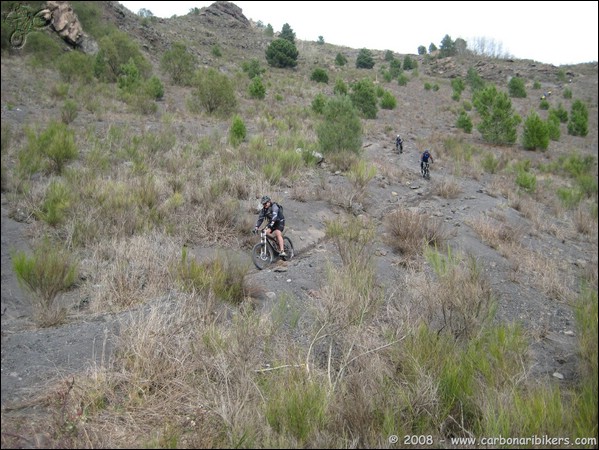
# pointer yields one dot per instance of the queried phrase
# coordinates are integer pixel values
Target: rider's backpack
(281, 214)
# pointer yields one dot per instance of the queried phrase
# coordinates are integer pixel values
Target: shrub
(474, 80)
(536, 85)
(116, 51)
(536, 134)
(458, 86)
(490, 163)
(223, 276)
(517, 88)
(363, 96)
(340, 60)
(56, 143)
(395, 68)
(252, 68)
(56, 203)
(553, 128)
(567, 93)
(364, 59)
(179, 64)
(256, 88)
(427, 86)
(216, 51)
(526, 180)
(341, 128)
(569, 197)
(60, 90)
(544, 105)
(388, 101)
(153, 88)
(409, 63)
(214, 91)
(319, 103)
(48, 272)
(287, 33)
(340, 87)
(403, 79)
(75, 67)
(42, 47)
(579, 119)
(464, 122)
(68, 112)
(282, 53)
(499, 122)
(90, 16)
(129, 79)
(140, 102)
(560, 114)
(561, 75)
(238, 131)
(320, 76)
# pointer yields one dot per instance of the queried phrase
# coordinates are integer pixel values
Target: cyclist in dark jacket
(276, 221)
(424, 158)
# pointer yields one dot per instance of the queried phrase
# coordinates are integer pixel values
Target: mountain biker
(426, 155)
(399, 144)
(276, 221)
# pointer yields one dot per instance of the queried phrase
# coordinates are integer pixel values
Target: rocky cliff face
(61, 17)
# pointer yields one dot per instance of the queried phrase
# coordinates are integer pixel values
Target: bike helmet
(264, 199)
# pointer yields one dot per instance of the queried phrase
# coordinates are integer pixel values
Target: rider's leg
(279, 236)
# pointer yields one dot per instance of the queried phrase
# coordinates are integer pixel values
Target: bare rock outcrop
(225, 13)
(62, 18)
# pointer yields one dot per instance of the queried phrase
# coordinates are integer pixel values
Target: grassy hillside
(415, 312)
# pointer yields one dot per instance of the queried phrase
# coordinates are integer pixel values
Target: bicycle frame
(426, 170)
(268, 240)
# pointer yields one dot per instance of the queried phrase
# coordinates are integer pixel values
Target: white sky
(549, 32)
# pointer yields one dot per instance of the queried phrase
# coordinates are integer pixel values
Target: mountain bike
(266, 251)
(426, 171)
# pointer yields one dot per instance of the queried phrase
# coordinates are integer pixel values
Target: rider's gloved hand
(255, 230)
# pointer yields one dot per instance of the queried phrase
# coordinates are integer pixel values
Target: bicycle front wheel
(262, 255)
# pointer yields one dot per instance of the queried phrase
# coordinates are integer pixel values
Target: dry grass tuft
(409, 230)
(447, 188)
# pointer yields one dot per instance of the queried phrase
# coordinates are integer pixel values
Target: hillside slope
(533, 251)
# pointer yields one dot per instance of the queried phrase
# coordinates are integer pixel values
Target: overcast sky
(549, 32)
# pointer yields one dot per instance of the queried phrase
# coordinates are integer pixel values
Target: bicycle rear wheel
(262, 256)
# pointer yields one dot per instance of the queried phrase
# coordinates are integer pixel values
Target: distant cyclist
(426, 156)
(398, 144)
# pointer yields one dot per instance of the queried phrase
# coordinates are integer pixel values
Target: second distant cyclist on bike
(424, 159)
